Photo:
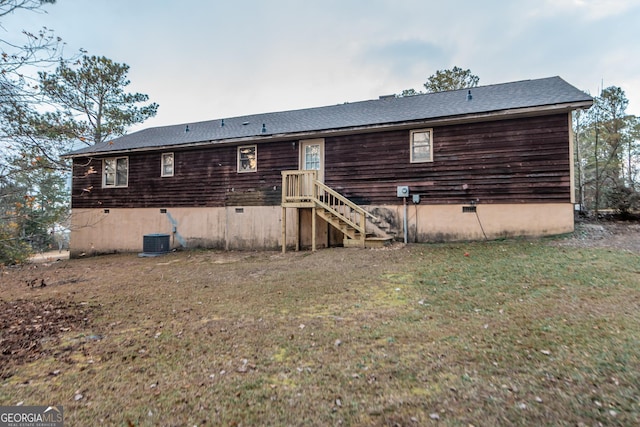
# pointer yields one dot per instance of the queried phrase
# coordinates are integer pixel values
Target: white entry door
(312, 156)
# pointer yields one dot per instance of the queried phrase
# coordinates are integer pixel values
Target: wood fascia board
(443, 121)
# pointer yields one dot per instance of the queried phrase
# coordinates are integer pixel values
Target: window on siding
(115, 172)
(248, 158)
(421, 146)
(312, 157)
(167, 164)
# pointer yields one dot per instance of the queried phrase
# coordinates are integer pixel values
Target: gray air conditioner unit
(155, 244)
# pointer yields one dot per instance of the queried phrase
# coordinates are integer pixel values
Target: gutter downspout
(174, 230)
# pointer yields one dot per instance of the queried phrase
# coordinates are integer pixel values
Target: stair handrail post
(285, 186)
(364, 229)
(314, 178)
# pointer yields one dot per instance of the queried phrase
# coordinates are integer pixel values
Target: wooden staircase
(301, 189)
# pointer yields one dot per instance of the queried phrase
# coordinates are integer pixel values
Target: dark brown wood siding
(507, 161)
(204, 177)
(522, 160)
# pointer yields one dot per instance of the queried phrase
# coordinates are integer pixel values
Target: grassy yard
(482, 334)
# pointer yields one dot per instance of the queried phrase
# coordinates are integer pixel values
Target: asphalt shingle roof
(524, 94)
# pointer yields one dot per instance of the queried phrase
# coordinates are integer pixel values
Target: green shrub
(623, 199)
(12, 249)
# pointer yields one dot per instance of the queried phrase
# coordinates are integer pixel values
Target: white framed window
(167, 164)
(115, 172)
(421, 145)
(247, 158)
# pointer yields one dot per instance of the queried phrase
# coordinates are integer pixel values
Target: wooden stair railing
(302, 189)
(341, 212)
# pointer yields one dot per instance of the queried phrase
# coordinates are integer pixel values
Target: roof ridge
(509, 97)
(267, 113)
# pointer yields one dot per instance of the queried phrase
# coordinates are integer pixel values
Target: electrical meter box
(403, 191)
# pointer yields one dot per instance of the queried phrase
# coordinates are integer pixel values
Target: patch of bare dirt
(611, 234)
(49, 256)
(26, 325)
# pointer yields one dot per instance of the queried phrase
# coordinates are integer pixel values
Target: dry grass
(515, 333)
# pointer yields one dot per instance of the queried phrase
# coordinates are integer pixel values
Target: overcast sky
(203, 60)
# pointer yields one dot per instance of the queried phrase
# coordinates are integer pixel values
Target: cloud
(201, 60)
(590, 10)
(404, 59)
